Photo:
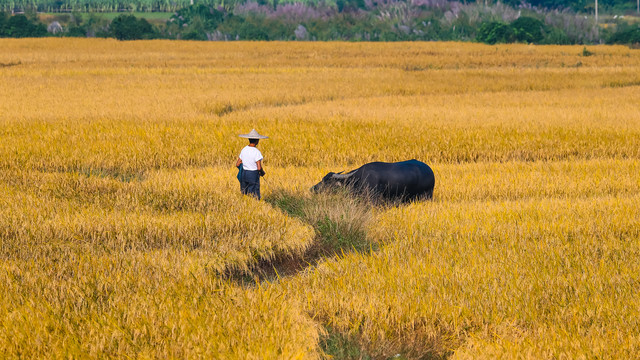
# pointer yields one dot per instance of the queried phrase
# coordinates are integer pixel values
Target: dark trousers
(250, 184)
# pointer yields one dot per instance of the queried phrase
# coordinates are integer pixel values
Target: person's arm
(238, 162)
(260, 169)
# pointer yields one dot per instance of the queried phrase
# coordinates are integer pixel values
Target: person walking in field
(249, 165)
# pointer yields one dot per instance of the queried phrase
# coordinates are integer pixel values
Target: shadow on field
(340, 222)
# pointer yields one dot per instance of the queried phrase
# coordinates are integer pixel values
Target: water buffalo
(405, 181)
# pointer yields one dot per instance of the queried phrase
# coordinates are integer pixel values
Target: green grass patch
(341, 347)
(339, 219)
(153, 17)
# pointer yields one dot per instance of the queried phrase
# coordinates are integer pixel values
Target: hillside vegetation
(170, 6)
(122, 233)
(397, 20)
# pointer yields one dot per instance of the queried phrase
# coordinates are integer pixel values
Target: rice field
(123, 233)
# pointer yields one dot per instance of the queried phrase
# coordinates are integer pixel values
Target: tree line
(582, 6)
(433, 20)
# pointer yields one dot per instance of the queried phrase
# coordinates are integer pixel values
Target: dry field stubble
(120, 209)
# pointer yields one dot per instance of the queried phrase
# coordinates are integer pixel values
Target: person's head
(253, 137)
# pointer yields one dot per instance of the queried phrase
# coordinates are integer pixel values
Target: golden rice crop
(540, 278)
(153, 304)
(175, 210)
(99, 267)
(122, 109)
(123, 233)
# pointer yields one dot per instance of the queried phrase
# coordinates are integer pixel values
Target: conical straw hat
(253, 135)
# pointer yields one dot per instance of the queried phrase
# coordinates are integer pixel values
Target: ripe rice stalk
(119, 207)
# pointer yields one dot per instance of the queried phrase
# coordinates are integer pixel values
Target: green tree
(4, 18)
(128, 27)
(252, 29)
(528, 30)
(625, 36)
(495, 32)
(556, 36)
(21, 26)
(350, 5)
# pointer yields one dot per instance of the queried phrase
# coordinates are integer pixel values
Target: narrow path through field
(340, 223)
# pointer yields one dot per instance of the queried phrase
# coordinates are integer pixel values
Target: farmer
(249, 165)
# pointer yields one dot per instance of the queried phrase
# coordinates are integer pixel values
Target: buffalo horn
(342, 176)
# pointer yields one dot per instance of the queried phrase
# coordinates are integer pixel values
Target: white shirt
(250, 156)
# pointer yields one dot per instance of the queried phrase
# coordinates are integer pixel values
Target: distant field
(147, 15)
(122, 233)
(152, 17)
